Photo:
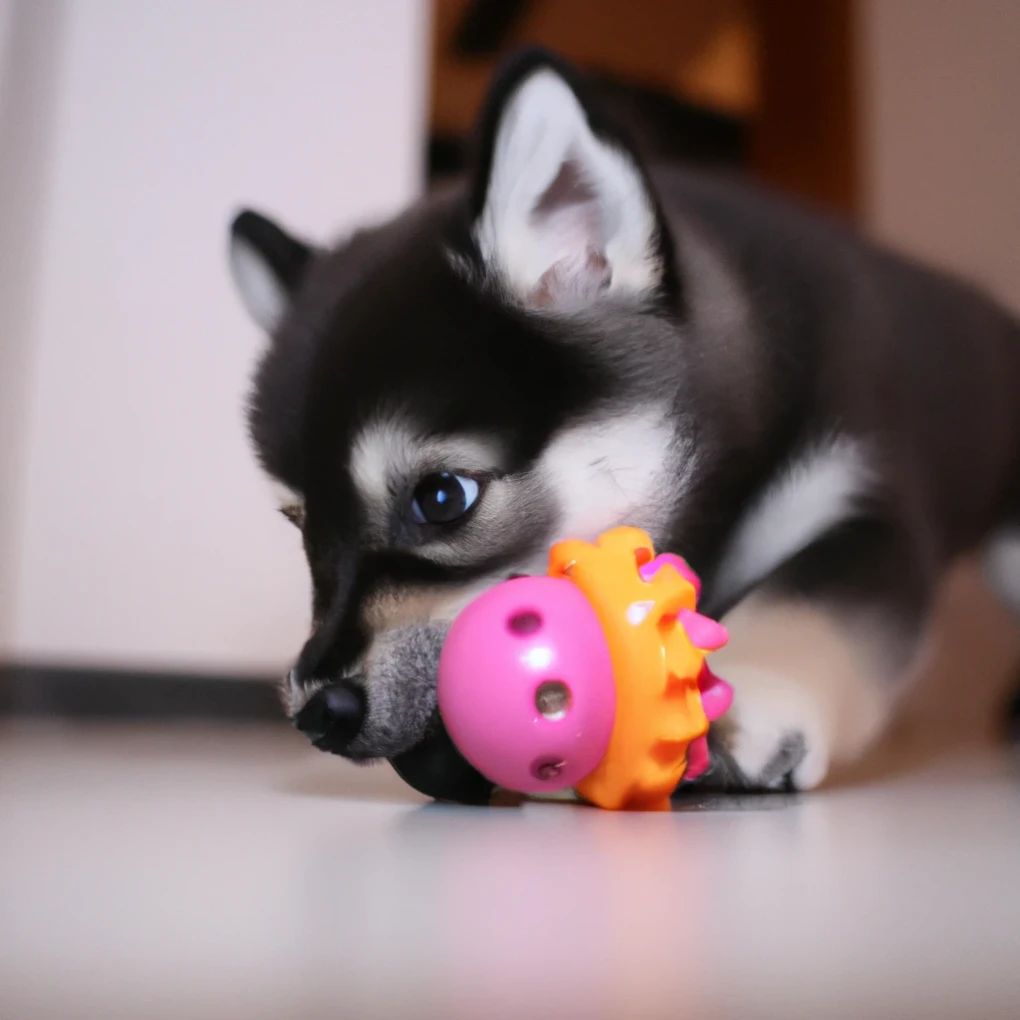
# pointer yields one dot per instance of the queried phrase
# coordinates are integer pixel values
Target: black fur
(286, 256)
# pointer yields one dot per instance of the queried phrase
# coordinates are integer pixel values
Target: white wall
(146, 536)
(29, 58)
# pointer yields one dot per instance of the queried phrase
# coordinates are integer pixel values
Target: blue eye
(443, 498)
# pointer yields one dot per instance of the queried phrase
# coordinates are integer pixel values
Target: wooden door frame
(805, 138)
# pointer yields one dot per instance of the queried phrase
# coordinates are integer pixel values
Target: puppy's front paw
(775, 737)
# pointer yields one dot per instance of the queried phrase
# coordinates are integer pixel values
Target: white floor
(191, 872)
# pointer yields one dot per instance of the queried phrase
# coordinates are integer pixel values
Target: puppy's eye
(443, 498)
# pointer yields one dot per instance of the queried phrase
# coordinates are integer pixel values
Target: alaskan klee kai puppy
(571, 341)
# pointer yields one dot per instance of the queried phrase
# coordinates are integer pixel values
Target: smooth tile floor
(192, 872)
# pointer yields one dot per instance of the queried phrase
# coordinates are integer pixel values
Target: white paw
(807, 693)
(776, 732)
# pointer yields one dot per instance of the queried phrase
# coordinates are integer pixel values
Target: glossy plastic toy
(592, 677)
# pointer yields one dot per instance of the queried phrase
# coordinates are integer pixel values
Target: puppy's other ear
(562, 209)
(267, 265)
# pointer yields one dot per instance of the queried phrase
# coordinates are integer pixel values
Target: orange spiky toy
(592, 677)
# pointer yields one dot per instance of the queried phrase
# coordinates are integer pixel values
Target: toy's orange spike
(659, 710)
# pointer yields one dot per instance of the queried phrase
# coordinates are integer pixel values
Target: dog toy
(592, 676)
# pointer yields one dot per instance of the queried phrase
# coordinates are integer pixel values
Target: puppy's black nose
(333, 716)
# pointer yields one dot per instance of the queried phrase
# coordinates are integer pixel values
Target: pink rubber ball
(526, 685)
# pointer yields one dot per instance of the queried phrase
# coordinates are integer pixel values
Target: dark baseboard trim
(90, 693)
(70, 692)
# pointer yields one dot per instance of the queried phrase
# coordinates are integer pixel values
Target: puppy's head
(445, 395)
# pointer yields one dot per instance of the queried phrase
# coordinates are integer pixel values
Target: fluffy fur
(818, 426)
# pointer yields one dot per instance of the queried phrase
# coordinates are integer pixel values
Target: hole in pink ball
(552, 699)
(525, 622)
(547, 769)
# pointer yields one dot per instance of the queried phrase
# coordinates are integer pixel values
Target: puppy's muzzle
(333, 717)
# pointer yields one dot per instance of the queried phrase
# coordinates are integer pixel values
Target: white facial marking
(264, 297)
(382, 451)
(390, 451)
(810, 496)
(628, 470)
(557, 197)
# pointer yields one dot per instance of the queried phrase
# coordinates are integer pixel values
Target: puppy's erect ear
(267, 265)
(562, 209)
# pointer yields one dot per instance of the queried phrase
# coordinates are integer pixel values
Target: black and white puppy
(570, 341)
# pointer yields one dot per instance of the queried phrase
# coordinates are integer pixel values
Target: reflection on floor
(175, 871)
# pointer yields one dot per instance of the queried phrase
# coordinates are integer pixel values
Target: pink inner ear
(572, 282)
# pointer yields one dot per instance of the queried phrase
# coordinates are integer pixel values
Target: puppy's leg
(819, 653)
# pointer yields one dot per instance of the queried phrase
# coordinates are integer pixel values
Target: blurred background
(136, 536)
